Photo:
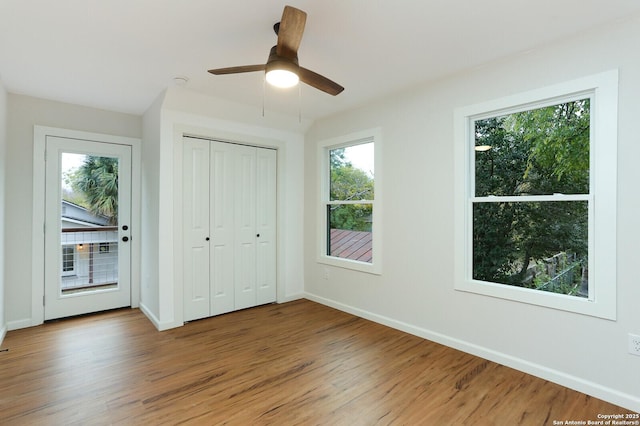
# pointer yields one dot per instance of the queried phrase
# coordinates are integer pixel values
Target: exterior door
(87, 227)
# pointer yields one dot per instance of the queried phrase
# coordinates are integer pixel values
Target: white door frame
(40, 134)
(58, 304)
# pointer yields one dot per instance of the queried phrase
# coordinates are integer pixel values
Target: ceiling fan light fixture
(281, 72)
(282, 68)
(282, 78)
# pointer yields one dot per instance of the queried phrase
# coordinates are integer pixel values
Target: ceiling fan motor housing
(277, 62)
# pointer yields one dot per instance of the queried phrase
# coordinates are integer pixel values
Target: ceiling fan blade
(237, 70)
(290, 32)
(319, 82)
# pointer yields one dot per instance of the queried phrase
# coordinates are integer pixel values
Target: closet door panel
(196, 228)
(221, 182)
(266, 225)
(245, 227)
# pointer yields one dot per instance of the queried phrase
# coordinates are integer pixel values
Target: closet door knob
(207, 239)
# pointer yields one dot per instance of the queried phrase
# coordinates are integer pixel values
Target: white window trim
(603, 88)
(371, 135)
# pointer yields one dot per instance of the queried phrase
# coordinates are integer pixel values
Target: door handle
(125, 239)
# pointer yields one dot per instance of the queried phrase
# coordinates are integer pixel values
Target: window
(68, 260)
(539, 197)
(350, 202)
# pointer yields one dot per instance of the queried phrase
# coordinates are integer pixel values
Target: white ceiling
(120, 54)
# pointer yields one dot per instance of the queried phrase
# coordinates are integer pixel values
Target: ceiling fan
(282, 69)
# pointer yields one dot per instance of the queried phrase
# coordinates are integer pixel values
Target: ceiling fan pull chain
(264, 93)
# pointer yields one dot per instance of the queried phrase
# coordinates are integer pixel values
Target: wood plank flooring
(296, 363)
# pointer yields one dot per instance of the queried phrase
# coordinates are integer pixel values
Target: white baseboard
(3, 333)
(159, 325)
(18, 324)
(291, 298)
(150, 316)
(631, 402)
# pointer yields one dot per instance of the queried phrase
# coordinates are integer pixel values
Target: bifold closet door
(266, 225)
(245, 226)
(196, 293)
(230, 227)
(223, 187)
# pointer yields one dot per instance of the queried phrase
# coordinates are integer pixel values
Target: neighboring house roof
(79, 215)
(354, 245)
(75, 218)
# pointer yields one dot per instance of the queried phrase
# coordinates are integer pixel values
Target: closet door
(223, 192)
(266, 225)
(245, 227)
(196, 296)
(229, 209)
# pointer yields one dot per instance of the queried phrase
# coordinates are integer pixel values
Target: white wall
(149, 297)
(186, 112)
(23, 113)
(3, 165)
(416, 290)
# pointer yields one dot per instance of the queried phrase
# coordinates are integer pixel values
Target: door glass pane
(89, 223)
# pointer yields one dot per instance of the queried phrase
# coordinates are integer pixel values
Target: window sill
(354, 265)
(601, 306)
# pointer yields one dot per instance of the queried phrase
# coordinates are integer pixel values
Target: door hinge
(43, 300)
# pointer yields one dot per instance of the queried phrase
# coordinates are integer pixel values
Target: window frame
(324, 148)
(69, 256)
(602, 89)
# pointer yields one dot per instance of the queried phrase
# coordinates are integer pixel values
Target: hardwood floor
(296, 363)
